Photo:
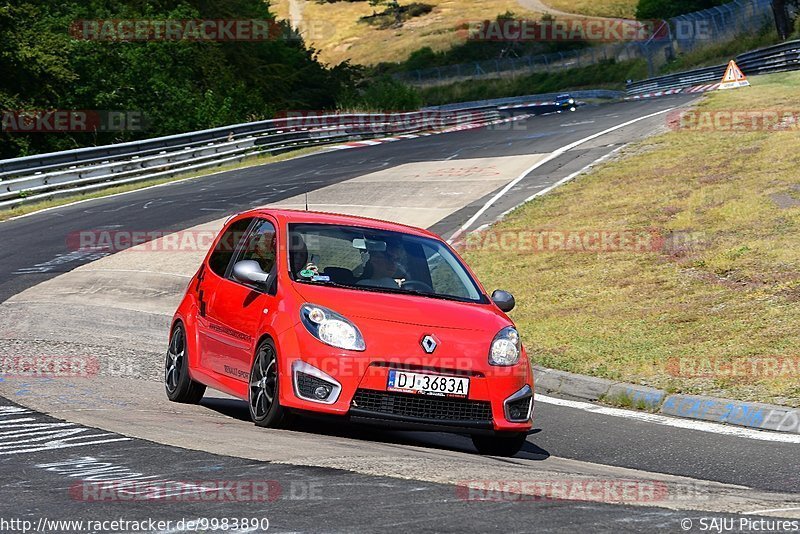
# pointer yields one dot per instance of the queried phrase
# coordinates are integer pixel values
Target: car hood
(405, 309)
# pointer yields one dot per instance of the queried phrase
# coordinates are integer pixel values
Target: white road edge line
(561, 151)
(561, 182)
(688, 424)
(771, 510)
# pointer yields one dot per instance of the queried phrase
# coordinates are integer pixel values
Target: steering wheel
(416, 285)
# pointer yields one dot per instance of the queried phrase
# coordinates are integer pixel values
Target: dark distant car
(566, 102)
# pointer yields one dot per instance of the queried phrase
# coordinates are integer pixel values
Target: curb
(683, 90)
(753, 415)
(451, 129)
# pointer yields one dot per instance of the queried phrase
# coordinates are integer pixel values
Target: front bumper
(500, 398)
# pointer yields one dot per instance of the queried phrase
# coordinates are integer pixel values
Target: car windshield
(378, 260)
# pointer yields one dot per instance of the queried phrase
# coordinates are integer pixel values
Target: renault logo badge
(429, 344)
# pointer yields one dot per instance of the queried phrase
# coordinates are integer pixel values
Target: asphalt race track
(325, 476)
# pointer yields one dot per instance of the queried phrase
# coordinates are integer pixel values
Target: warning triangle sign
(734, 77)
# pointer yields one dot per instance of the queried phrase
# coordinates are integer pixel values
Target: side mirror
(504, 300)
(249, 272)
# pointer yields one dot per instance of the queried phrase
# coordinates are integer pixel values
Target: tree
(180, 86)
(784, 17)
(665, 9)
(393, 6)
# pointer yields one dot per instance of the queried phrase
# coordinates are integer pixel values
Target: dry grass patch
(335, 30)
(597, 8)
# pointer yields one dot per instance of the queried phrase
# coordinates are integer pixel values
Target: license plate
(425, 384)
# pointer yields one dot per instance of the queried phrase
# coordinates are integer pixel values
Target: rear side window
(226, 246)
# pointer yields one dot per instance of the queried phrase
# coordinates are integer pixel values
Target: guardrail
(46, 176)
(778, 58)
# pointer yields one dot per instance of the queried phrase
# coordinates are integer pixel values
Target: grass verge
(715, 312)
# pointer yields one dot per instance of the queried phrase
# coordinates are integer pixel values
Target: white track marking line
(759, 512)
(688, 424)
(561, 151)
(559, 183)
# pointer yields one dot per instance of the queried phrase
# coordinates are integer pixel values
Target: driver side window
(261, 246)
(227, 244)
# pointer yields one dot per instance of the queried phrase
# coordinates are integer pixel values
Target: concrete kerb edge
(755, 415)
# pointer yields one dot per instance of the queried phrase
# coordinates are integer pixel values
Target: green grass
(729, 295)
(624, 400)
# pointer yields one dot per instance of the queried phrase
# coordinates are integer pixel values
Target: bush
(478, 50)
(608, 74)
(383, 94)
(395, 15)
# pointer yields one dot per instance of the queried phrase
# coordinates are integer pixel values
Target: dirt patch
(785, 201)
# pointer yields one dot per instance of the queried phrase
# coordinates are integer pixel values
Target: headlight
(571, 100)
(506, 347)
(331, 328)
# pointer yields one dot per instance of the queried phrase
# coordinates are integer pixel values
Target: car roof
(318, 217)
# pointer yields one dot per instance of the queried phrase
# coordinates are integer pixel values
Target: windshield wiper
(391, 290)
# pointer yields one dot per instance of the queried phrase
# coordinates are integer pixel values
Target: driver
(383, 271)
(399, 258)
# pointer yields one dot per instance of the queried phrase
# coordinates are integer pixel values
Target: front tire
(177, 382)
(263, 399)
(500, 444)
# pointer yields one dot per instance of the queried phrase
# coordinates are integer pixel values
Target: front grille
(306, 384)
(422, 406)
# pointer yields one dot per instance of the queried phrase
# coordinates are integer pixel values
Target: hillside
(335, 29)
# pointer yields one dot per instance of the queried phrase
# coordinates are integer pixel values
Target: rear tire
(500, 444)
(177, 383)
(263, 397)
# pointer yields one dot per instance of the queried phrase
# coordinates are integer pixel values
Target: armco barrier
(778, 58)
(31, 178)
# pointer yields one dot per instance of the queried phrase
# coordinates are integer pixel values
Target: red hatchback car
(298, 312)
